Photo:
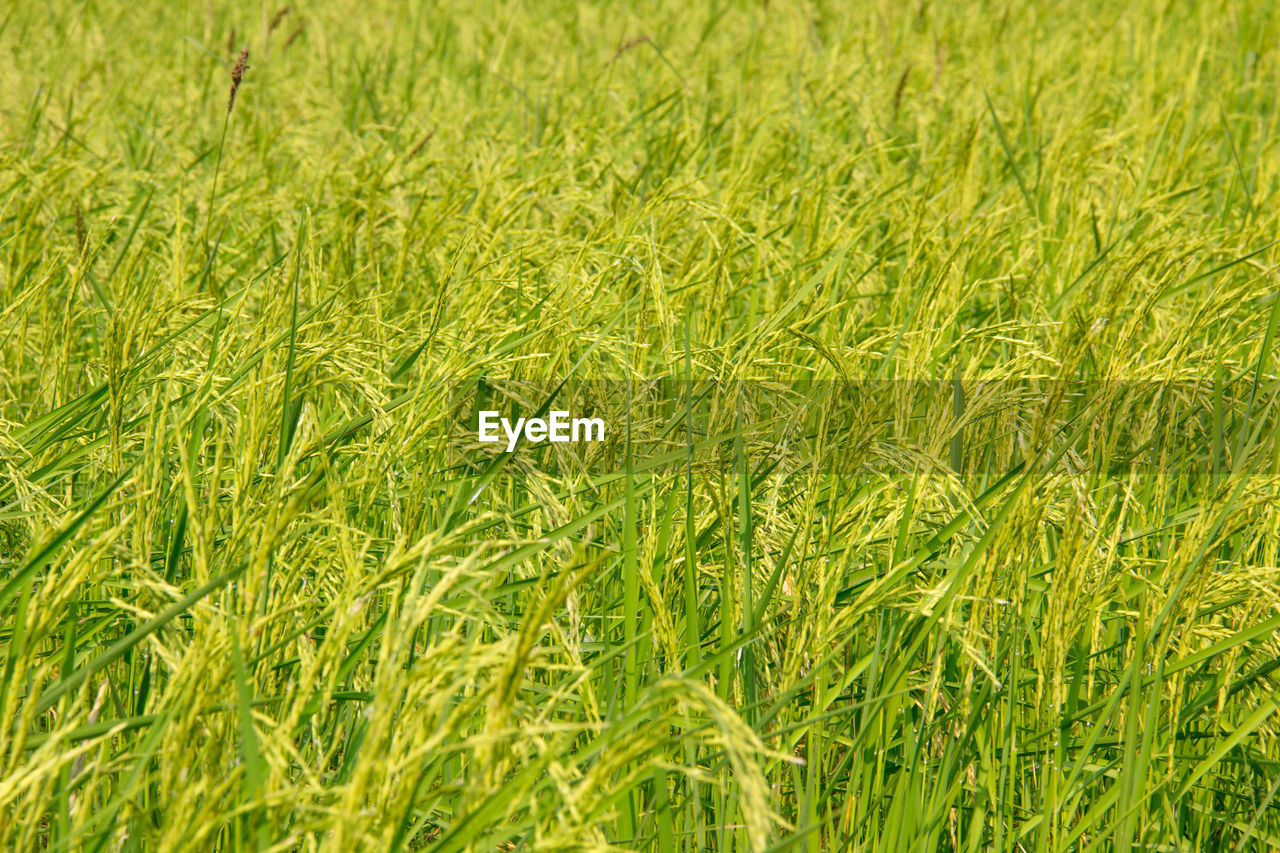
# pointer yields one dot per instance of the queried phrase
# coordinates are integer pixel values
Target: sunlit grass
(937, 508)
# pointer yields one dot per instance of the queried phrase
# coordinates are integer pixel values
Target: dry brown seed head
(275, 21)
(237, 75)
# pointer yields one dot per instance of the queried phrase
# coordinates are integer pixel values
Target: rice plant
(934, 500)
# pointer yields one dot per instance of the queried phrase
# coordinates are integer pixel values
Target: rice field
(935, 497)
